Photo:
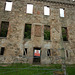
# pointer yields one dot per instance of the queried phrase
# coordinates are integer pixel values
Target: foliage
(65, 38)
(64, 34)
(27, 33)
(47, 35)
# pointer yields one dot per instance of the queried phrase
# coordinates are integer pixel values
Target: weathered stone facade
(15, 43)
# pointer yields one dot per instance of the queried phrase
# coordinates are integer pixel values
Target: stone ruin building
(37, 31)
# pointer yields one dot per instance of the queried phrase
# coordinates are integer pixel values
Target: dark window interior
(66, 53)
(64, 34)
(48, 52)
(46, 32)
(4, 28)
(25, 51)
(2, 50)
(27, 31)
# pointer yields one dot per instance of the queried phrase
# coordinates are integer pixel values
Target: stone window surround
(50, 33)
(25, 30)
(66, 34)
(48, 9)
(62, 12)
(29, 10)
(7, 32)
(7, 4)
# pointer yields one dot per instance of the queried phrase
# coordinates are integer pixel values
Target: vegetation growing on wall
(27, 32)
(46, 32)
(64, 34)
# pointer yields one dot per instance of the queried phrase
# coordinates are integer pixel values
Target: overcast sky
(30, 9)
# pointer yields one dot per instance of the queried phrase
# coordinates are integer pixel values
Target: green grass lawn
(26, 69)
(70, 69)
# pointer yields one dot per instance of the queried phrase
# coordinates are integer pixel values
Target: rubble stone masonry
(15, 43)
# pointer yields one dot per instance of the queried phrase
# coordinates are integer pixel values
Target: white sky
(30, 8)
(46, 10)
(61, 12)
(8, 6)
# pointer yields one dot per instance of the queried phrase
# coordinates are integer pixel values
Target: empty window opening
(46, 10)
(25, 51)
(73, 0)
(46, 32)
(8, 6)
(48, 52)
(4, 29)
(66, 53)
(2, 50)
(64, 34)
(62, 14)
(29, 8)
(27, 32)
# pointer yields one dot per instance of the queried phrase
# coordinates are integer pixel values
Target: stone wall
(15, 43)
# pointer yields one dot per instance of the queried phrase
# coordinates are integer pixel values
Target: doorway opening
(36, 55)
